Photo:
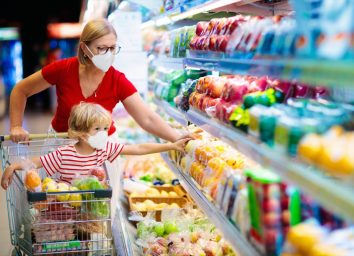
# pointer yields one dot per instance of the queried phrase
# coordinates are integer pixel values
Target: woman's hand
(190, 135)
(6, 178)
(17, 134)
(181, 144)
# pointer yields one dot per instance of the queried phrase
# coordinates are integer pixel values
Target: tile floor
(35, 123)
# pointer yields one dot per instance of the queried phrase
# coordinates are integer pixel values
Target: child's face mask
(99, 140)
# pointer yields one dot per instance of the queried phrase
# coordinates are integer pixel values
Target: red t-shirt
(64, 74)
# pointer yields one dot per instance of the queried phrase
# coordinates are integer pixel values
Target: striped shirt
(70, 164)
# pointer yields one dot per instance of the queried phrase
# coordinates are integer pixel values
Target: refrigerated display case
(301, 56)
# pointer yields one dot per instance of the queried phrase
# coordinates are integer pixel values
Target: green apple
(159, 229)
(170, 227)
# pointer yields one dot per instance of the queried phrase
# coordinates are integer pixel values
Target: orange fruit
(33, 181)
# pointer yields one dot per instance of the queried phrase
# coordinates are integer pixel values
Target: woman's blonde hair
(93, 30)
(84, 115)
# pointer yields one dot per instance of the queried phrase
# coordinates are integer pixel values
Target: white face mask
(99, 140)
(102, 61)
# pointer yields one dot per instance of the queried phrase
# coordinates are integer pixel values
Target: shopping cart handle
(39, 136)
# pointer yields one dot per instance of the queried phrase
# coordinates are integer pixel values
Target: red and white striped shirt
(70, 164)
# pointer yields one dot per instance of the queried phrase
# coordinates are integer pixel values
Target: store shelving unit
(324, 72)
(197, 7)
(230, 232)
(170, 63)
(120, 233)
(171, 111)
(332, 194)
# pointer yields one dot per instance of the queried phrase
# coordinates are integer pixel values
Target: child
(88, 124)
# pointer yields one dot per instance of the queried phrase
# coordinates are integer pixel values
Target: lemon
(62, 187)
(50, 187)
(75, 198)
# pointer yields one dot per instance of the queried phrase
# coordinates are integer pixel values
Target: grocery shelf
(169, 63)
(318, 72)
(171, 111)
(120, 233)
(196, 7)
(230, 232)
(330, 193)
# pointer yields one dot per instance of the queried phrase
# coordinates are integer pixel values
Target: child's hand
(180, 144)
(6, 178)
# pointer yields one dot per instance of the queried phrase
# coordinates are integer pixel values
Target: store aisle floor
(35, 123)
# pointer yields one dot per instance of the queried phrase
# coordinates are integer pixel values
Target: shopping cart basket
(46, 223)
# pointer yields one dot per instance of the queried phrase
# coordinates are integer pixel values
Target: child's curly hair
(84, 115)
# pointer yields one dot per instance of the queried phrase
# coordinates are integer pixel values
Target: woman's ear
(83, 47)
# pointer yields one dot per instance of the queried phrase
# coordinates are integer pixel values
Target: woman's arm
(148, 119)
(6, 178)
(150, 148)
(27, 87)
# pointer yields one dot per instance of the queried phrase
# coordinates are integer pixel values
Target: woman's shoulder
(64, 62)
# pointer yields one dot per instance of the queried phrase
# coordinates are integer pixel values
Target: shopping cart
(54, 223)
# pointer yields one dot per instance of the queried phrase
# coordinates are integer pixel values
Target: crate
(175, 188)
(180, 201)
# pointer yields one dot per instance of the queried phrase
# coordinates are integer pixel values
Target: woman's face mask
(99, 140)
(102, 61)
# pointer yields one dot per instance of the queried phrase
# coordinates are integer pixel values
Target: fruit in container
(46, 180)
(143, 229)
(272, 219)
(270, 205)
(170, 227)
(196, 171)
(224, 110)
(222, 43)
(149, 205)
(310, 147)
(193, 43)
(158, 229)
(50, 186)
(33, 181)
(212, 23)
(201, 28)
(152, 192)
(213, 42)
(220, 26)
(99, 172)
(75, 199)
(206, 153)
(271, 237)
(173, 206)
(164, 193)
(216, 164)
(198, 97)
(63, 187)
(172, 194)
(234, 90)
(191, 146)
(203, 43)
(215, 87)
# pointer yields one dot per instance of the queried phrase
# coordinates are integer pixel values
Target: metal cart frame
(76, 222)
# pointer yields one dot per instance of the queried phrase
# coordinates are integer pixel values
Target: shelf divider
(230, 232)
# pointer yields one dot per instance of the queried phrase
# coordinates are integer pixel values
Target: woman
(89, 77)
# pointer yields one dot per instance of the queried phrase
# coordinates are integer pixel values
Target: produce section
(264, 90)
(283, 103)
